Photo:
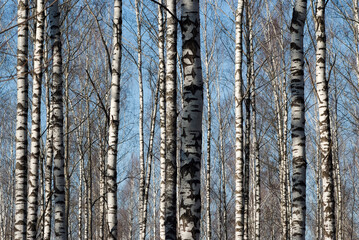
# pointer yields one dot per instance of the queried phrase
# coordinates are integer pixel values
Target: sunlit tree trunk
(336, 165)
(21, 121)
(239, 198)
(223, 198)
(49, 155)
(255, 145)
(298, 120)
(171, 122)
(150, 154)
(162, 79)
(329, 232)
(138, 9)
(247, 123)
(207, 59)
(36, 124)
(81, 180)
(162, 76)
(191, 151)
(58, 120)
(102, 157)
(114, 123)
(319, 186)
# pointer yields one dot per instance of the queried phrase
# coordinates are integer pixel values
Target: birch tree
(326, 156)
(114, 122)
(21, 120)
(239, 218)
(254, 142)
(171, 122)
(191, 137)
(36, 123)
(247, 120)
(58, 120)
(298, 120)
(257, 178)
(207, 59)
(49, 154)
(162, 79)
(138, 9)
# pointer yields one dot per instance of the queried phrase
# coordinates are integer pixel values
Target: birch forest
(179, 119)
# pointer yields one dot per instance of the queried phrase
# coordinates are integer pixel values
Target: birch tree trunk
(140, 129)
(114, 122)
(150, 155)
(49, 156)
(162, 79)
(209, 128)
(255, 144)
(285, 156)
(191, 151)
(102, 157)
(239, 198)
(298, 120)
(223, 201)
(58, 120)
(36, 124)
(208, 172)
(257, 196)
(329, 232)
(21, 121)
(81, 173)
(319, 186)
(248, 123)
(336, 165)
(284, 145)
(67, 146)
(171, 122)
(89, 163)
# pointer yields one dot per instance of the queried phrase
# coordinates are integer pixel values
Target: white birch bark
(285, 156)
(114, 122)
(255, 145)
(67, 146)
(138, 9)
(336, 166)
(49, 156)
(162, 79)
(191, 151)
(102, 157)
(319, 186)
(239, 198)
(21, 121)
(223, 201)
(298, 120)
(36, 124)
(329, 232)
(207, 60)
(58, 120)
(81, 174)
(150, 156)
(208, 171)
(247, 123)
(283, 88)
(257, 195)
(171, 122)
